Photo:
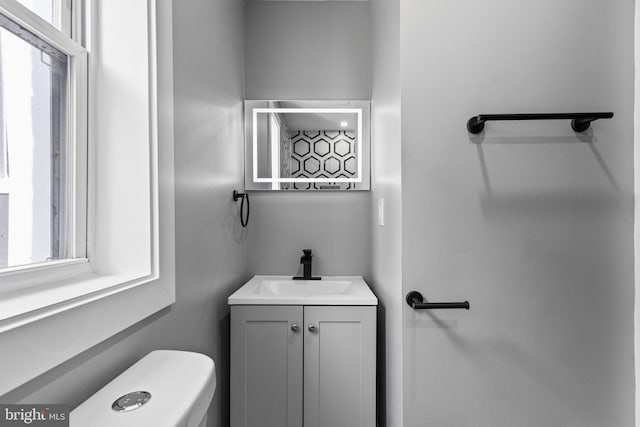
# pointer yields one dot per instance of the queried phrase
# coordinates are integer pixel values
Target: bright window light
(32, 151)
(42, 115)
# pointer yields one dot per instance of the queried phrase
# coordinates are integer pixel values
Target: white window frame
(51, 312)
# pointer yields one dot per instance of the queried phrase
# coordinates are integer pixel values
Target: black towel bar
(579, 121)
(416, 301)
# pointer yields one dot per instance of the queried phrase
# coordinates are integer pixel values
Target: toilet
(166, 388)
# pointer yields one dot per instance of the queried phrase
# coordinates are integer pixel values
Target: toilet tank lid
(181, 384)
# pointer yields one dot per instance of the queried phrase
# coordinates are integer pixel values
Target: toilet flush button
(131, 401)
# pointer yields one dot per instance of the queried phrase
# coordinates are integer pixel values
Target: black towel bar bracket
(416, 301)
(579, 121)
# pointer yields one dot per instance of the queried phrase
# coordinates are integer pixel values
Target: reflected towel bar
(579, 121)
(416, 301)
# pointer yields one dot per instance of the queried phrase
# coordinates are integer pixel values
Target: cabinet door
(339, 366)
(266, 366)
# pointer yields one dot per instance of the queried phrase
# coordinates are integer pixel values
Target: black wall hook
(244, 196)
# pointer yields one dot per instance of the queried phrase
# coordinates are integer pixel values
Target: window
(55, 12)
(41, 88)
(122, 274)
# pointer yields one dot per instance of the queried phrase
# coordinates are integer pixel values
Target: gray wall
(308, 50)
(335, 225)
(530, 222)
(386, 241)
(211, 248)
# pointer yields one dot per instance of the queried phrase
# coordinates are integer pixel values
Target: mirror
(307, 145)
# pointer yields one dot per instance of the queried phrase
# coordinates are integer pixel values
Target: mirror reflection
(307, 145)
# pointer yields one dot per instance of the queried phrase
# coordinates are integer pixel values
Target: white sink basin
(282, 290)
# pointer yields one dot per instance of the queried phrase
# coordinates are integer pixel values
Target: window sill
(29, 304)
(35, 342)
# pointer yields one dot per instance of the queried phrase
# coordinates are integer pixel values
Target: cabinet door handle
(294, 327)
(312, 328)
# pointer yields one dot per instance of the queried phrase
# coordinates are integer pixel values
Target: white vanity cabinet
(266, 366)
(311, 366)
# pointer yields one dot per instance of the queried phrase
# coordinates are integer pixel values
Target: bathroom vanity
(303, 353)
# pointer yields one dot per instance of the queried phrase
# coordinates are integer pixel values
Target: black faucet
(305, 260)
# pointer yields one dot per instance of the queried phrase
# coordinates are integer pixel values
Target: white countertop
(282, 290)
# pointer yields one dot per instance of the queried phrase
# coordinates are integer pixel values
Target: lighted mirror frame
(256, 111)
(360, 108)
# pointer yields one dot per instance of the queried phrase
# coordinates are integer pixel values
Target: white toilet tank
(166, 388)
